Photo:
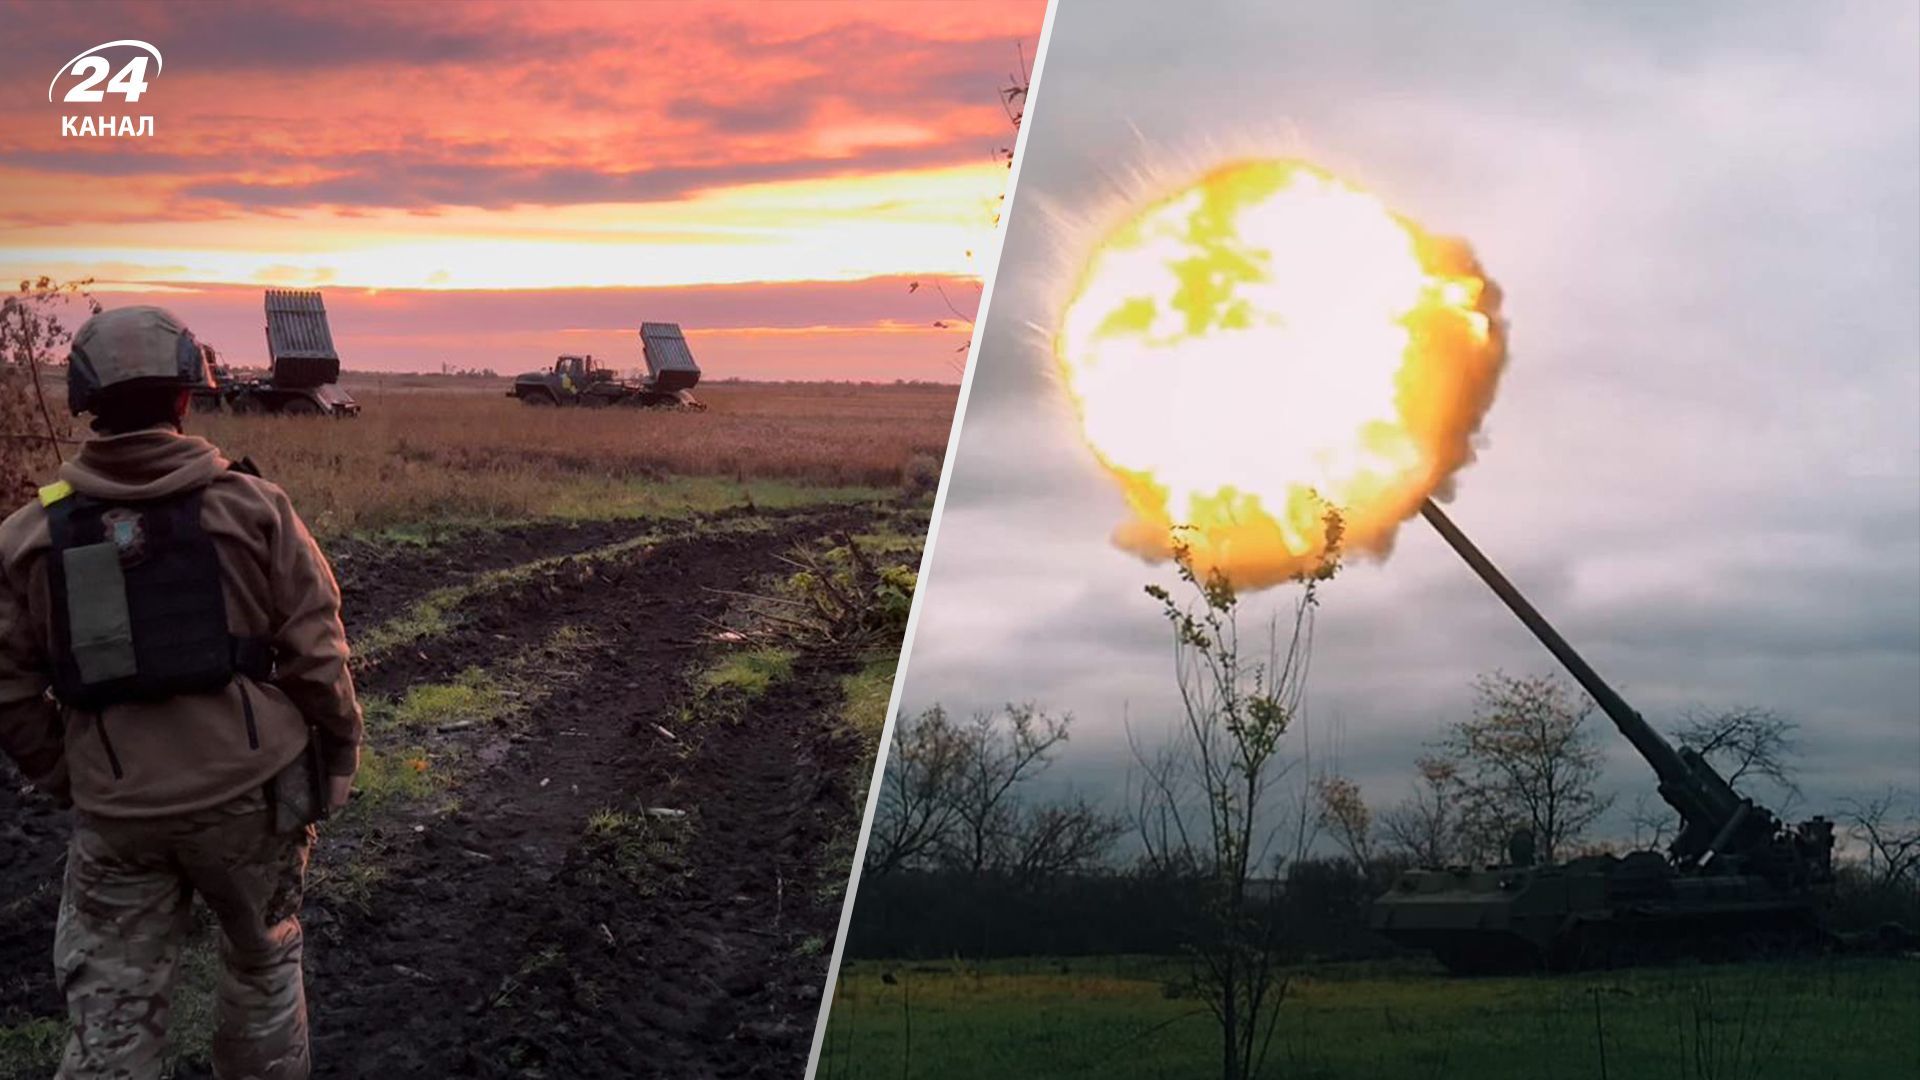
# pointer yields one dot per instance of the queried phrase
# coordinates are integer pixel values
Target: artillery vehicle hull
(229, 393)
(1735, 882)
(536, 389)
(1598, 911)
(265, 397)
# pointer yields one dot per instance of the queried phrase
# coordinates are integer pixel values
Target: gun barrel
(1665, 760)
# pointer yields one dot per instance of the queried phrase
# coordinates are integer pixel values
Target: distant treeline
(934, 914)
(964, 858)
(931, 914)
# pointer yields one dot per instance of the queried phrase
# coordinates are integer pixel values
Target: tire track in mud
(500, 941)
(379, 581)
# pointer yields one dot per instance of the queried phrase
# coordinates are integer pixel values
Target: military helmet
(141, 346)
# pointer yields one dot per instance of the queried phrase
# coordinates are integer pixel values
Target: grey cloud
(1704, 463)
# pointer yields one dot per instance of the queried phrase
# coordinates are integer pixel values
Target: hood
(150, 464)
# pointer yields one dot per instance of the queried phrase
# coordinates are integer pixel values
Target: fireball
(1269, 348)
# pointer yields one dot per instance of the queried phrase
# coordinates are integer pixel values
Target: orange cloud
(496, 105)
(414, 148)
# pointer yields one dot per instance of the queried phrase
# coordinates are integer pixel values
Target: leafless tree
(1886, 827)
(1050, 840)
(998, 752)
(1013, 102)
(915, 808)
(1425, 826)
(1527, 758)
(33, 331)
(1203, 799)
(1652, 820)
(953, 799)
(1747, 743)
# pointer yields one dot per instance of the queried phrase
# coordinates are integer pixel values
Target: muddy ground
(501, 935)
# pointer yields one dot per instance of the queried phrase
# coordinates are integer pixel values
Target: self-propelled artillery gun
(1735, 881)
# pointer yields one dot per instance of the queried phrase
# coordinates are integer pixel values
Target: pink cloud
(366, 105)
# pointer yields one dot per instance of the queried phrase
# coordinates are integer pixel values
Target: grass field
(437, 456)
(1126, 1017)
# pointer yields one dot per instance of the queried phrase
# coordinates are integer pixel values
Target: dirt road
(614, 885)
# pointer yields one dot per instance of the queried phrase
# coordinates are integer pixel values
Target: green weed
(645, 849)
(748, 674)
(474, 696)
(863, 709)
(32, 1047)
(405, 772)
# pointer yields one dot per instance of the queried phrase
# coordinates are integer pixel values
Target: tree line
(964, 856)
(956, 801)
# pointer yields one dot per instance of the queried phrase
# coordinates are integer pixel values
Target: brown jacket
(148, 759)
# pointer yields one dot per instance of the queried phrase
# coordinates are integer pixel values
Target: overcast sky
(1704, 462)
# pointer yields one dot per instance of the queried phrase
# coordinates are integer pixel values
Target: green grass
(1120, 1018)
(673, 498)
(863, 709)
(396, 761)
(390, 773)
(879, 545)
(474, 696)
(647, 852)
(196, 995)
(32, 1047)
(749, 673)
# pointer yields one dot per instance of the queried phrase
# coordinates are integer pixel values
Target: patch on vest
(127, 530)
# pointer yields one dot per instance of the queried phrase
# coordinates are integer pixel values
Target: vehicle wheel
(247, 405)
(542, 400)
(300, 407)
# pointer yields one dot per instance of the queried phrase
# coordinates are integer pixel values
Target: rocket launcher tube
(1708, 807)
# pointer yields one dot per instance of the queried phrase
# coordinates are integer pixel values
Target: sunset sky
(770, 175)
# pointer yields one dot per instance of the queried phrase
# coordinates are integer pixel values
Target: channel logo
(92, 78)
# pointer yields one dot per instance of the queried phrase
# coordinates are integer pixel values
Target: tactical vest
(139, 607)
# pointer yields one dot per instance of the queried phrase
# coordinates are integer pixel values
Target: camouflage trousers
(127, 908)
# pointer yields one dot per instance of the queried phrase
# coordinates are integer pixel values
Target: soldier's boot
(254, 880)
(123, 914)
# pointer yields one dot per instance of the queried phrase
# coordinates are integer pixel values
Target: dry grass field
(460, 454)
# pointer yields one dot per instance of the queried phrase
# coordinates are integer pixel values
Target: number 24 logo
(130, 81)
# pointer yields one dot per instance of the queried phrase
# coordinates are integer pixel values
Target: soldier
(172, 664)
